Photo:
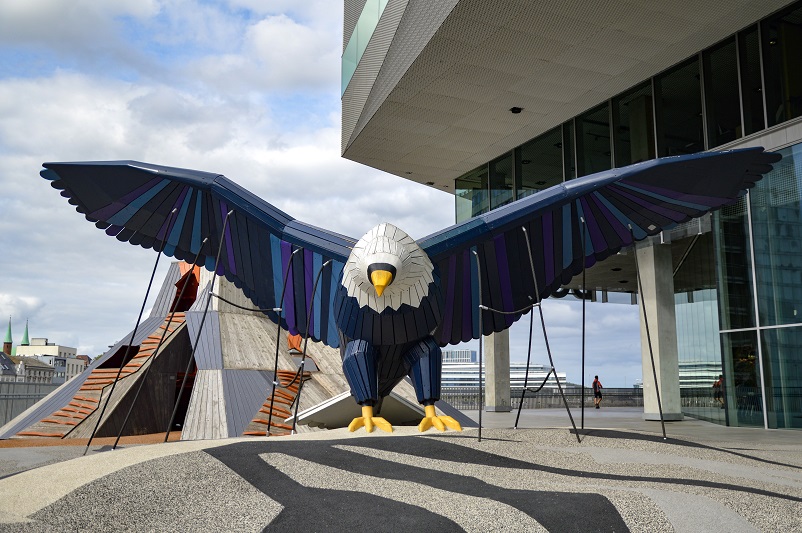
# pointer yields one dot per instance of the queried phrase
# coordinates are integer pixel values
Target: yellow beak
(381, 279)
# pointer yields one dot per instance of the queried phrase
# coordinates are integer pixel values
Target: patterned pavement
(538, 479)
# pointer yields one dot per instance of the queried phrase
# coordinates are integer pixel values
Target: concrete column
(657, 298)
(497, 372)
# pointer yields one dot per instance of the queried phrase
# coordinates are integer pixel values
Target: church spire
(7, 343)
(25, 341)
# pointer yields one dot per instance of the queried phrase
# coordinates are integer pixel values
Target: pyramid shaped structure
(228, 390)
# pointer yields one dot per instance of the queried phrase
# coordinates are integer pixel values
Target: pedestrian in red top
(597, 395)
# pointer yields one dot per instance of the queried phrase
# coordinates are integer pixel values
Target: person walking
(597, 395)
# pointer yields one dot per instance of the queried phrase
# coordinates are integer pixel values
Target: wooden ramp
(283, 399)
(87, 400)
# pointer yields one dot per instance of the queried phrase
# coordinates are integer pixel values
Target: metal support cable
(133, 333)
(545, 335)
(306, 340)
(200, 327)
(526, 375)
(278, 335)
(648, 335)
(158, 347)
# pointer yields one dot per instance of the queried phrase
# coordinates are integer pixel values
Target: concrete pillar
(497, 372)
(657, 297)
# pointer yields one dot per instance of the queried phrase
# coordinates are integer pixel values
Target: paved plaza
(622, 476)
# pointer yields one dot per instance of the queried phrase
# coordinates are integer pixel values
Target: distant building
(85, 358)
(459, 356)
(8, 370)
(32, 370)
(466, 376)
(63, 359)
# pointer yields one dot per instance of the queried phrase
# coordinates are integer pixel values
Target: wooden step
(85, 399)
(255, 433)
(65, 414)
(84, 408)
(63, 422)
(39, 434)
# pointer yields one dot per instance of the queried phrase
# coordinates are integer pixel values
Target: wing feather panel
(619, 206)
(133, 202)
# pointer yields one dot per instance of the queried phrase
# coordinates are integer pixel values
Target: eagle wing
(648, 197)
(132, 201)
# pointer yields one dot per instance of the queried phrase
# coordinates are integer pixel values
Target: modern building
(494, 100)
(62, 358)
(459, 356)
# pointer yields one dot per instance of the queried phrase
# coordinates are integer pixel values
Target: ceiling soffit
(439, 108)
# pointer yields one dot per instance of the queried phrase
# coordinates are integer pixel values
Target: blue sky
(246, 88)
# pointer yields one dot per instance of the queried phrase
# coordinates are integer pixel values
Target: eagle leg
(359, 367)
(426, 361)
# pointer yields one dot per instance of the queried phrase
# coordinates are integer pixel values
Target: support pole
(279, 309)
(481, 329)
(306, 340)
(156, 351)
(133, 333)
(200, 327)
(648, 335)
(584, 229)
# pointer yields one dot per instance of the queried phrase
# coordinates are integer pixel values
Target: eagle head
(387, 268)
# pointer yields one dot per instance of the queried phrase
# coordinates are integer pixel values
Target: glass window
(502, 181)
(634, 126)
(782, 371)
(360, 37)
(471, 194)
(782, 42)
(722, 103)
(593, 141)
(736, 303)
(569, 164)
(777, 227)
(541, 163)
(678, 99)
(751, 82)
(741, 385)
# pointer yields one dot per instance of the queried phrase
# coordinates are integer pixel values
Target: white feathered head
(387, 268)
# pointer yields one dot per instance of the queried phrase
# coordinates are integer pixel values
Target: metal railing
(16, 397)
(468, 398)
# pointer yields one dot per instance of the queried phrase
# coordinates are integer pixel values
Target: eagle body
(383, 338)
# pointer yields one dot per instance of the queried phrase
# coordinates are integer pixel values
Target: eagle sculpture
(388, 301)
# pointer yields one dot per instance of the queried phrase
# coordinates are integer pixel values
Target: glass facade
(738, 287)
(358, 42)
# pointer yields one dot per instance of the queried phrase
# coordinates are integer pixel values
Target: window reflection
(783, 376)
(782, 42)
(722, 102)
(541, 163)
(679, 110)
(777, 227)
(593, 141)
(471, 194)
(502, 181)
(751, 81)
(742, 393)
(634, 126)
(734, 271)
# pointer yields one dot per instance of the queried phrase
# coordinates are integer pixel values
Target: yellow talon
(440, 422)
(369, 421)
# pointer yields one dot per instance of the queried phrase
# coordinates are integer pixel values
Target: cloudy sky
(245, 88)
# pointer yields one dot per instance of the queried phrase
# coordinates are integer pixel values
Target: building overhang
(436, 103)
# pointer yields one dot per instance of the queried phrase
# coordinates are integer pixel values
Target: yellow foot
(369, 421)
(440, 422)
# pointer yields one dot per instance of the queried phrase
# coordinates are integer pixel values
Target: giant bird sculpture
(387, 301)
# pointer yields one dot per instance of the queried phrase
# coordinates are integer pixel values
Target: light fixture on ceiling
(773, 41)
(616, 269)
(429, 183)
(541, 182)
(515, 110)
(525, 161)
(622, 281)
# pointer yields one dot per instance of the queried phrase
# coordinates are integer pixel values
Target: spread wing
(132, 201)
(650, 197)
